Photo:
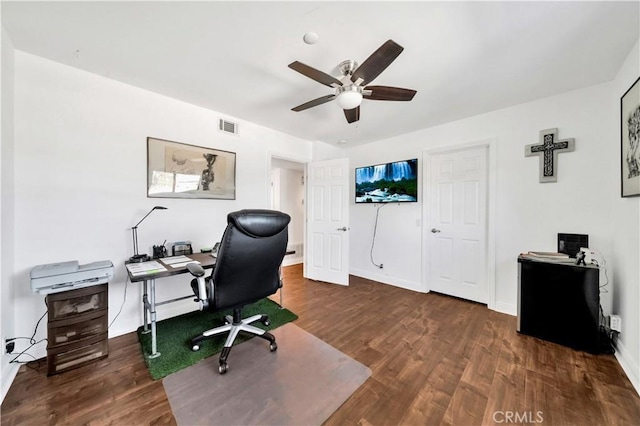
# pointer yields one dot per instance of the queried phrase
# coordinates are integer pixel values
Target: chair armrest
(195, 269)
(198, 271)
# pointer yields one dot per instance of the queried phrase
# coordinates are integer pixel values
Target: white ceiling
(463, 58)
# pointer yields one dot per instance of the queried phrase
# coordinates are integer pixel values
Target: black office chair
(247, 270)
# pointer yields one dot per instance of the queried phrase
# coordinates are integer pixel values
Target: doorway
(456, 217)
(287, 192)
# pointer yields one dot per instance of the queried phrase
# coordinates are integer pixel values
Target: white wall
(323, 151)
(80, 180)
(625, 257)
(528, 215)
(7, 323)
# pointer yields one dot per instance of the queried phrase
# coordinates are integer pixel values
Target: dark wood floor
(434, 360)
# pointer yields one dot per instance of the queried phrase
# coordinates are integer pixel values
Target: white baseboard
(292, 261)
(9, 372)
(386, 279)
(628, 365)
(506, 308)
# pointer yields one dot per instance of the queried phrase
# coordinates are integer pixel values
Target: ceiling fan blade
(315, 102)
(352, 115)
(315, 74)
(377, 62)
(386, 93)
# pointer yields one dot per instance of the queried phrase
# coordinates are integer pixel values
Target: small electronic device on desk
(181, 248)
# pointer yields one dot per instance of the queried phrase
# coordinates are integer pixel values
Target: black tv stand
(560, 302)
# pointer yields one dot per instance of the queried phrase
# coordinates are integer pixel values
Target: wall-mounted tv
(395, 182)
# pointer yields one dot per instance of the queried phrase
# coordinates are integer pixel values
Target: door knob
(344, 228)
(434, 230)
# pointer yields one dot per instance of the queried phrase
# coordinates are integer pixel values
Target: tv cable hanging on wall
(373, 240)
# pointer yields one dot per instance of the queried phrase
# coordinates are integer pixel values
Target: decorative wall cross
(548, 150)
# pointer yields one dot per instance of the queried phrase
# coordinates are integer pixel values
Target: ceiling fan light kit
(349, 97)
(351, 90)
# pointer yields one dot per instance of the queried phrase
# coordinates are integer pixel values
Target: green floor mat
(175, 334)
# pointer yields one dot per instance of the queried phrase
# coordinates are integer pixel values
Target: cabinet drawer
(75, 302)
(73, 329)
(66, 357)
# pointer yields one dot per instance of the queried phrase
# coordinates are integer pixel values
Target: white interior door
(327, 242)
(457, 223)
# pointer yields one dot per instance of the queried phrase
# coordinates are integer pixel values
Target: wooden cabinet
(77, 327)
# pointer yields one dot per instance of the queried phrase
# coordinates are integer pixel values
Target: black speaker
(570, 243)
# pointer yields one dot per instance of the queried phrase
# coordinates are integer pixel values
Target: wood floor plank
(543, 399)
(434, 360)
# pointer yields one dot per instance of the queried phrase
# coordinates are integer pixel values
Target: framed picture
(178, 170)
(630, 141)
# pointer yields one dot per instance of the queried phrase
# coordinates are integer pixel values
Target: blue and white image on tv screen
(387, 183)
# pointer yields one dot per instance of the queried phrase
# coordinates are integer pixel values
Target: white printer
(63, 276)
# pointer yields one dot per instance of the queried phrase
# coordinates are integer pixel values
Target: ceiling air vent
(227, 126)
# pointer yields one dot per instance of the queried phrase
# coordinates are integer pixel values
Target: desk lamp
(141, 257)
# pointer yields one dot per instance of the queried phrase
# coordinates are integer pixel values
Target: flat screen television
(395, 182)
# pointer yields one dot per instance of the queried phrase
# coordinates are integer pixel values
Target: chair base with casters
(234, 325)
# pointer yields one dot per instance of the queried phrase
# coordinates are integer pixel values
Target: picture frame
(630, 141)
(179, 170)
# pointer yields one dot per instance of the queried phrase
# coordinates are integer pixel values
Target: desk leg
(152, 314)
(145, 306)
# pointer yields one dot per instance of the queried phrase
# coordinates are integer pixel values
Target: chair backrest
(248, 261)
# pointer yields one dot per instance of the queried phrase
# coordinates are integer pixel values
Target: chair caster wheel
(195, 348)
(273, 347)
(266, 323)
(222, 368)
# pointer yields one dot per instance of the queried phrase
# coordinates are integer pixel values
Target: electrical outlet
(615, 323)
(9, 346)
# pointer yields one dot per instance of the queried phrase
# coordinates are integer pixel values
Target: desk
(149, 293)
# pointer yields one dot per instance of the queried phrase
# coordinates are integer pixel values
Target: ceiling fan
(351, 89)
